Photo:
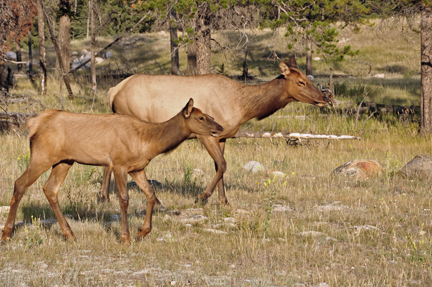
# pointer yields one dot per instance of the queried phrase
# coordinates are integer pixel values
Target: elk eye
(201, 118)
(302, 83)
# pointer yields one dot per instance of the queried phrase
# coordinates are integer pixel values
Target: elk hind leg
(51, 188)
(104, 194)
(33, 172)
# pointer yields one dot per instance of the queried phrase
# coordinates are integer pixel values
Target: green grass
(379, 237)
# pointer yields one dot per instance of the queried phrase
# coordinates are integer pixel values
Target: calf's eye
(201, 118)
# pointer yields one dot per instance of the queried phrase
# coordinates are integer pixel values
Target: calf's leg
(141, 180)
(120, 176)
(51, 188)
(37, 166)
(104, 194)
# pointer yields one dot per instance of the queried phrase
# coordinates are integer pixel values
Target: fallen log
(297, 136)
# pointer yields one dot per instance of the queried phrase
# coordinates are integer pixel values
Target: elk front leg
(51, 188)
(141, 180)
(216, 152)
(104, 194)
(120, 176)
(32, 173)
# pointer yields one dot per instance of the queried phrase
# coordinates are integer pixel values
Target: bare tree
(42, 55)
(426, 70)
(19, 57)
(93, 43)
(175, 69)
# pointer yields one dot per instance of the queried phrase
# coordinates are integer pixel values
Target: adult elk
(155, 99)
(124, 143)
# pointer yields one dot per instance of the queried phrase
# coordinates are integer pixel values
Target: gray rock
(99, 60)
(108, 54)
(254, 167)
(11, 55)
(420, 166)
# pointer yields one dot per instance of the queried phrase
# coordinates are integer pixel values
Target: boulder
(108, 54)
(359, 169)
(11, 55)
(420, 166)
(254, 167)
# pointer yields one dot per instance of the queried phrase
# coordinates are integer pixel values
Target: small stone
(4, 209)
(215, 231)
(311, 233)
(311, 77)
(379, 76)
(194, 219)
(108, 54)
(254, 167)
(99, 60)
(242, 211)
(229, 220)
(75, 53)
(330, 207)
(11, 55)
(316, 58)
(277, 173)
(281, 208)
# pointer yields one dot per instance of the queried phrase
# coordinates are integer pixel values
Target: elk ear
(187, 110)
(284, 69)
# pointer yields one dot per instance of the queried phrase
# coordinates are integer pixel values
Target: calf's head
(300, 88)
(199, 123)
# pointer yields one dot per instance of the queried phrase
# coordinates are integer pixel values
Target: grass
(379, 234)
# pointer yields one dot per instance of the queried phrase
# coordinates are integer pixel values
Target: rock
(420, 167)
(359, 169)
(311, 77)
(330, 207)
(229, 220)
(165, 237)
(4, 209)
(277, 173)
(11, 55)
(254, 167)
(379, 76)
(108, 54)
(215, 231)
(242, 211)
(84, 52)
(194, 219)
(316, 58)
(99, 60)
(281, 208)
(75, 53)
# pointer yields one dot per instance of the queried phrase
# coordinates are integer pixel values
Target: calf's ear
(187, 110)
(284, 69)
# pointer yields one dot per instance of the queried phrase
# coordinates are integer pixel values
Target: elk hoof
(224, 201)
(201, 199)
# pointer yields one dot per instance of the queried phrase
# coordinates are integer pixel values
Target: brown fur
(123, 143)
(155, 98)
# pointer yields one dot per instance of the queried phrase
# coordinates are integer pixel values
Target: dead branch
(297, 136)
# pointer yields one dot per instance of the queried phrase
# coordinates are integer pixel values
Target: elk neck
(260, 101)
(166, 136)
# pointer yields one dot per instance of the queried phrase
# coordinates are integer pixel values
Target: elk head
(200, 123)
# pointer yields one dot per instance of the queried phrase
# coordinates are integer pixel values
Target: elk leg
(51, 188)
(32, 173)
(141, 180)
(212, 146)
(221, 187)
(120, 177)
(104, 194)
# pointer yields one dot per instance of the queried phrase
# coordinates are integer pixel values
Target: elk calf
(123, 143)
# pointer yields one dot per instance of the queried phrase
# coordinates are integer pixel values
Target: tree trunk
(3, 77)
(192, 59)
(30, 56)
(88, 22)
(93, 43)
(426, 71)
(42, 56)
(64, 33)
(203, 26)
(175, 70)
(309, 57)
(19, 58)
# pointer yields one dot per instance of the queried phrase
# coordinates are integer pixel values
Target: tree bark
(93, 43)
(426, 71)
(175, 63)
(203, 46)
(192, 59)
(309, 57)
(30, 56)
(64, 33)
(19, 57)
(42, 55)
(3, 76)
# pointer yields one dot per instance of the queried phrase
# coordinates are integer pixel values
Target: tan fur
(123, 143)
(155, 98)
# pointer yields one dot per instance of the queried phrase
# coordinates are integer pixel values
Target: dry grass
(373, 233)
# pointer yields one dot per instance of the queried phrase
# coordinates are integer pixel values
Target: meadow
(301, 229)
